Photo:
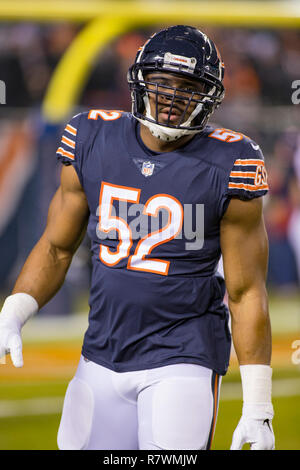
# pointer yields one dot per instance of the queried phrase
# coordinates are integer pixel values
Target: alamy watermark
(296, 353)
(164, 226)
(2, 92)
(296, 94)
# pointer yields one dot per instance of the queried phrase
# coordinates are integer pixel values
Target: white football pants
(170, 408)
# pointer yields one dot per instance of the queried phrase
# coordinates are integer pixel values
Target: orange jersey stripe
(215, 410)
(249, 187)
(64, 153)
(71, 129)
(241, 174)
(249, 162)
(68, 142)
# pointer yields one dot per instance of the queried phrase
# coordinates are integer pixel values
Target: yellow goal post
(105, 20)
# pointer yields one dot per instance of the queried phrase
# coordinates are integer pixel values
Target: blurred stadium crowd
(261, 66)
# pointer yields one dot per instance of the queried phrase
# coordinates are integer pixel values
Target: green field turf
(38, 432)
(286, 423)
(30, 405)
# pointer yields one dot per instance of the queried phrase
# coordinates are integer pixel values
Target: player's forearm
(43, 272)
(251, 329)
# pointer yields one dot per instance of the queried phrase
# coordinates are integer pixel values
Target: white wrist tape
(19, 307)
(257, 389)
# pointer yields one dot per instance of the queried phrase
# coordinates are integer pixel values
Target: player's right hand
(16, 310)
(10, 339)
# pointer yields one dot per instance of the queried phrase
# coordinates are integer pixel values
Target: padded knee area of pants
(77, 416)
(181, 413)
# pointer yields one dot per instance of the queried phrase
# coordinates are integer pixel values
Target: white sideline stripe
(280, 388)
(31, 406)
(53, 405)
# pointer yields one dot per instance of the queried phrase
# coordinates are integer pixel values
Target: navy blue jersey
(156, 297)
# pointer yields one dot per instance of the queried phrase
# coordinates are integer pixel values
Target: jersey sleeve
(248, 176)
(68, 151)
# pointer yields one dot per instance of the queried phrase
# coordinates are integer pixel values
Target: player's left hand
(257, 432)
(10, 339)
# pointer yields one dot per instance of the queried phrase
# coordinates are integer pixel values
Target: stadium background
(58, 58)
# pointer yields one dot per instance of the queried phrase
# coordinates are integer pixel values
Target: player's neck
(157, 145)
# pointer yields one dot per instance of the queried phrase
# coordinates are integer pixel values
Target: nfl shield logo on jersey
(147, 168)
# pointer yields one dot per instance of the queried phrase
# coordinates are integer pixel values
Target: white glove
(15, 312)
(255, 425)
(256, 431)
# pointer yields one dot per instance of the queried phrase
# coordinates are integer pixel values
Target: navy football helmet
(186, 51)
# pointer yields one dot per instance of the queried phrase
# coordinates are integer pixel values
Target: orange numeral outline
(105, 115)
(220, 134)
(261, 176)
(112, 198)
(147, 212)
(150, 235)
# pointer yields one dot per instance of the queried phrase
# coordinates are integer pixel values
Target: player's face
(170, 105)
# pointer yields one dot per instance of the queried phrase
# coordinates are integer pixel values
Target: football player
(162, 195)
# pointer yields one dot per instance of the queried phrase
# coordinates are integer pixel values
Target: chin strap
(164, 133)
